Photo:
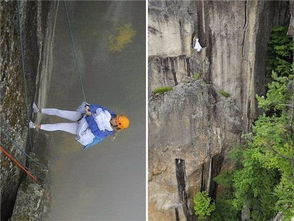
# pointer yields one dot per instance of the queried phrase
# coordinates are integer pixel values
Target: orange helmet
(123, 121)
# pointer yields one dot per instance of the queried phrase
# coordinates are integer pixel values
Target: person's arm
(93, 108)
(93, 125)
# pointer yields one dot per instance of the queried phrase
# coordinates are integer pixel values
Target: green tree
(224, 210)
(253, 186)
(263, 178)
(280, 51)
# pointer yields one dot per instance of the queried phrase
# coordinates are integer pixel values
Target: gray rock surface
(192, 127)
(13, 111)
(234, 38)
(32, 209)
(18, 83)
(194, 123)
(291, 25)
(32, 201)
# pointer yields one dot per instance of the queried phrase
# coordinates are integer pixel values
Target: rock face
(32, 209)
(234, 36)
(291, 25)
(32, 198)
(19, 64)
(193, 124)
(192, 127)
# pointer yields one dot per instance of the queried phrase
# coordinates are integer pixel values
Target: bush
(203, 207)
(162, 90)
(224, 93)
(225, 210)
(280, 51)
(224, 179)
(197, 76)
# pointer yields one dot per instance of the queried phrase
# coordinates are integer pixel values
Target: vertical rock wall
(213, 98)
(238, 33)
(192, 123)
(234, 36)
(18, 85)
(13, 110)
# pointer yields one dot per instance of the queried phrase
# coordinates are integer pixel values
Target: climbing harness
(74, 50)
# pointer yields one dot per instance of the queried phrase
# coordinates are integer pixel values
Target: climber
(93, 123)
(197, 45)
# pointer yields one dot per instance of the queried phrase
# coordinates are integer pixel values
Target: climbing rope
(5, 133)
(74, 50)
(26, 92)
(24, 168)
(18, 163)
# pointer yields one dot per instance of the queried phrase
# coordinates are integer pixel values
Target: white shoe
(32, 125)
(35, 108)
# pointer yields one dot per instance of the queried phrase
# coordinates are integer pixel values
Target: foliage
(203, 207)
(280, 53)
(224, 179)
(224, 203)
(253, 185)
(162, 90)
(277, 95)
(225, 210)
(224, 93)
(265, 180)
(264, 176)
(285, 191)
(197, 76)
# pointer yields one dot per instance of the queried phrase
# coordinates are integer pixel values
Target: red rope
(18, 164)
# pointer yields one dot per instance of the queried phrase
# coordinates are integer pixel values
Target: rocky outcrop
(33, 209)
(234, 36)
(189, 125)
(23, 25)
(192, 127)
(32, 201)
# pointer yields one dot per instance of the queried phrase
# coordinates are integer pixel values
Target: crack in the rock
(172, 61)
(182, 191)
(244, 27)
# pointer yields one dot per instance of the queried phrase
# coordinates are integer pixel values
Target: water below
(106, 182)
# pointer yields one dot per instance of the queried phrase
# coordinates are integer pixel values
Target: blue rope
(74, 50)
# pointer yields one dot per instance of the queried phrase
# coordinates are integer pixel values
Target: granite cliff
(212, 102)
(25, 31)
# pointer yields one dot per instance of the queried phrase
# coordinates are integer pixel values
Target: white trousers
(67, 127)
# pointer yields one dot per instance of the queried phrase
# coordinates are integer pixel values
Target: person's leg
(70, 115)
(67, 127)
